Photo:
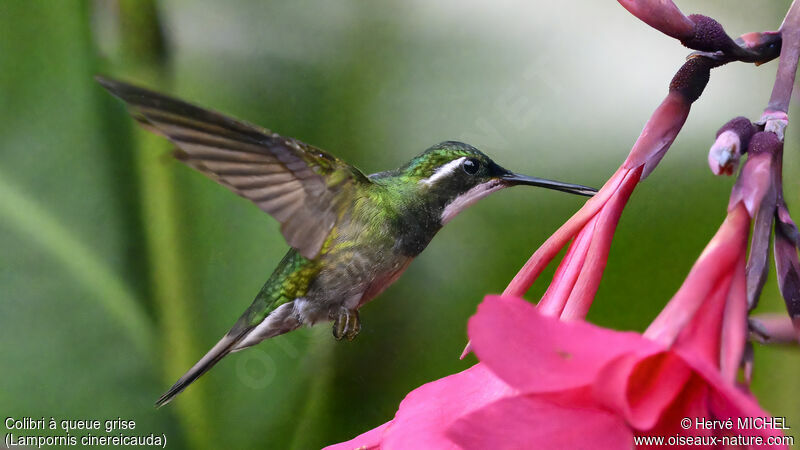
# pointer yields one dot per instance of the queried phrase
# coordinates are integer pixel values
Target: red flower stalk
(787, 237)
(760, 189)
(760, 184)
(591, 229)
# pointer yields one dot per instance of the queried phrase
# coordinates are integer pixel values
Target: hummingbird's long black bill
(516, 179)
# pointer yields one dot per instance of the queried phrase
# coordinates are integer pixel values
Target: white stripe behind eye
(443, 171)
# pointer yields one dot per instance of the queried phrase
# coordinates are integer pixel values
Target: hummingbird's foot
(346, 324)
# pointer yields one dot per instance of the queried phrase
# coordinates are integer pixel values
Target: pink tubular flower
(709, 311)
(540, 376)
(589, 232)
(426, 413)
(608, 389)
(592, 228)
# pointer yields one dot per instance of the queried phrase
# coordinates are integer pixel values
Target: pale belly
(349, 284)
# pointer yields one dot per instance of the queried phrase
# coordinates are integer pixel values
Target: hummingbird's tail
(222, 348)
(282, 320)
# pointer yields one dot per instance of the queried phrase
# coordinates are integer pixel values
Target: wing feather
(286, 178)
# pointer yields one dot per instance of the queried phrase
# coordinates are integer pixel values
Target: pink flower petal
(428, 411)
(582, 295)
(554, 299)
(537, 353)
(702, 335)
(641, 386)
(754, 182)
(721, 407)
(734, 326)
(568, 421)
(691, 403)
(714, 264)
(731, 400)
(368, 441)
(727, 401)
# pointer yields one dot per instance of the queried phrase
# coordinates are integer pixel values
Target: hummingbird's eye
(471, 166)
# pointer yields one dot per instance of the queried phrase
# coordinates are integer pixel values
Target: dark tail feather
(222, 348)
(280, 320)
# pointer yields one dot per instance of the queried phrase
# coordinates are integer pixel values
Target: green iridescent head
(459, 175)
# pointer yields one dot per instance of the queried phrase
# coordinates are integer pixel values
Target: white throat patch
(443, 171)
(466, 199)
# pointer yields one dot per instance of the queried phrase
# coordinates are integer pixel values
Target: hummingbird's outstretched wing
(303, 187)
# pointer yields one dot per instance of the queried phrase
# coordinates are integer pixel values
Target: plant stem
(143, 56)
(29, 218)
(311, 416)
(787, 65)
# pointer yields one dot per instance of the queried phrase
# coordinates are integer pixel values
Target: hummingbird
(351, 235)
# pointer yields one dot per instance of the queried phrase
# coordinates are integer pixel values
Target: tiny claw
(346, 324)
(355, 326)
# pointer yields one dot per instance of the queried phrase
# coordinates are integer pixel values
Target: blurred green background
(119, 267)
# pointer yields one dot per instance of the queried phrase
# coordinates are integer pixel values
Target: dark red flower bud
(732, 140)
(692, 77)
(764, 142)
(742, 127)
(709, 36)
